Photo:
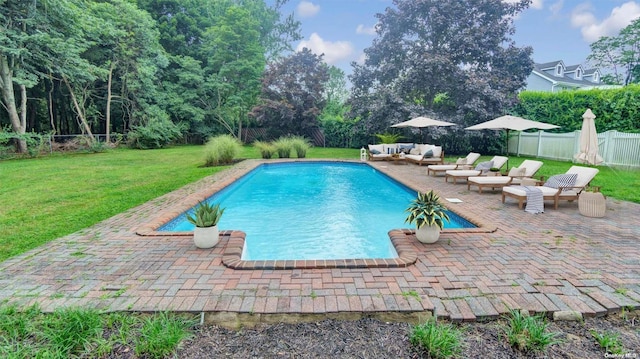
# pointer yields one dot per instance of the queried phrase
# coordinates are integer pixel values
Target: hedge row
(615, 109)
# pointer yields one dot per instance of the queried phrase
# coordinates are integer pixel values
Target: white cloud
(361, 29)
(307, 9)
(556, 7)
(592, 29)
(333, 51)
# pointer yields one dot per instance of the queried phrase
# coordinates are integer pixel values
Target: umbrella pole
(506, 148)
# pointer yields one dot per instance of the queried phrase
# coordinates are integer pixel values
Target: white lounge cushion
(498, 180)
(442, 167)
(546, 191)
(531, 167)
(517, 172)
(463, 173)
(437, 151)
(413, 157)
(379, 148)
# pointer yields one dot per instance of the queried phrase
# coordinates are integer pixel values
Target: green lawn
(48, 197)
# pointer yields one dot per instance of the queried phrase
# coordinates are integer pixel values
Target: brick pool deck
(558, 260)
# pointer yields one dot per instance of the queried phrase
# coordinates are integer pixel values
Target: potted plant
(205, 217)
(429, 215)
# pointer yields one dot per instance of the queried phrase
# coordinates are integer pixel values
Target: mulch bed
(371, 338)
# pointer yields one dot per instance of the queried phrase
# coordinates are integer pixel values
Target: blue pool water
(314, 210)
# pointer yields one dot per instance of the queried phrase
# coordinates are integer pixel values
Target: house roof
(539, 69)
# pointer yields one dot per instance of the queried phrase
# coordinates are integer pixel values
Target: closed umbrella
(588, 141)
(421, 122)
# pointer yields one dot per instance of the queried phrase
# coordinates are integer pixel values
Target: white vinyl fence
(616, 148)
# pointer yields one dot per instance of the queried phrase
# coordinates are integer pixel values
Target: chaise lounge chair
(481, 169)
(555, 191)
(527, 169)
(462, 163)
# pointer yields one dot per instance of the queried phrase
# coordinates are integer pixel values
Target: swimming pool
(314, 210)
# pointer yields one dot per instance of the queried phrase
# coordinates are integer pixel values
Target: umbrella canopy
(422, 122)
(588, 141)
(509, 122)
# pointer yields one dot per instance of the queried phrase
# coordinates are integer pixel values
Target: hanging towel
(535, 200)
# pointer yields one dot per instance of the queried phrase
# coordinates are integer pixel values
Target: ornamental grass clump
(206, 215)
(284, 146)
(300, 146)
(266, 149)
(426, 210)
(440, 341)
(529, 333)
(222, 150)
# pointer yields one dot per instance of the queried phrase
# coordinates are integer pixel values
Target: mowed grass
(51, 196)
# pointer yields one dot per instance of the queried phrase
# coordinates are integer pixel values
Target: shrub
(283, 146)
(221, 150)
(266, 149)
(300, 145)
(438, 340)
(527, 333)
(158, 133)
(388, 137)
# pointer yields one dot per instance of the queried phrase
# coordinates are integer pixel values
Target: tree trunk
(80, 113)
(108, 109)
(9, 98)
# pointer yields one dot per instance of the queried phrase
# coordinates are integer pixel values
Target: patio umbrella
(508, 123)
(421, 122)
(588, 141)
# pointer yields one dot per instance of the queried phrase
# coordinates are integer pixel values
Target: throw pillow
(415, 151)
(375, 152)
(564, 180)
(484, 166)
(517, 172)
(428, 154)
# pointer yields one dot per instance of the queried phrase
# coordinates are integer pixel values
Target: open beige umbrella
(509, 122)
(588, 141)
(421, 122)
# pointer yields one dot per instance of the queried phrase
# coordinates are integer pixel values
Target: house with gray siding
(556, 76)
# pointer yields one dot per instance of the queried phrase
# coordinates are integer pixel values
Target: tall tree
(292, 94)
(197, 35)
(428, 50)
(235, 62)
(38, 38)
(621, 54)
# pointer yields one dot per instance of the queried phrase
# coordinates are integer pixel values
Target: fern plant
(426, 210)
(206, 215)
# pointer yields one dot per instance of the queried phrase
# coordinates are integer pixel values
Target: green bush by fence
(615, 109)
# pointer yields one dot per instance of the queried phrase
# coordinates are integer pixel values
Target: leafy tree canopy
(450, 58)
(292, 95)
(620, 54)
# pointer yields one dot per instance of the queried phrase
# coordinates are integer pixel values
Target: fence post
(609, 145)
(539, 143)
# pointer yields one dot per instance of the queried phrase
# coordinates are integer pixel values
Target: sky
(555, 29)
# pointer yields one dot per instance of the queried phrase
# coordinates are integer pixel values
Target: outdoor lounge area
(551, 262)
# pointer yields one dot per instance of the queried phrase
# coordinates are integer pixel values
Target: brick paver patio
(548, 262)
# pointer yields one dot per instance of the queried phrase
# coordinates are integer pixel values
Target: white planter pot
(206, 237)
(428, 234)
